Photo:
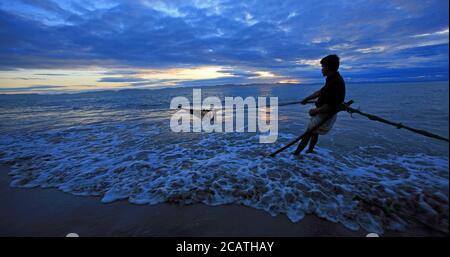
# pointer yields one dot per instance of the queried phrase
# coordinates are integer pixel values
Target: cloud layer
(377, 40)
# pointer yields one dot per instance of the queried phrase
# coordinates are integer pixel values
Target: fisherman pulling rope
(329, 99)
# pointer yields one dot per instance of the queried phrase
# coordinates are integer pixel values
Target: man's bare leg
(312, 143)
(302, 145)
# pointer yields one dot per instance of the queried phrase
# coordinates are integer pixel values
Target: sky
(49, 46)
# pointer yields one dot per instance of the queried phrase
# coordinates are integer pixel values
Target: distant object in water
(203, 112)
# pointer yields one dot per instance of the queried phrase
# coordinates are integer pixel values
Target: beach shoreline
(51, 212)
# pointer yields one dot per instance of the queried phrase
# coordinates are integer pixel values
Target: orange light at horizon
(196, 73)
(289, 81)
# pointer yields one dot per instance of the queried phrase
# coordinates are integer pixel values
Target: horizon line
(218, 85)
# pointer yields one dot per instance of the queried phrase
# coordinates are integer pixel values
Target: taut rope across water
(346, 107)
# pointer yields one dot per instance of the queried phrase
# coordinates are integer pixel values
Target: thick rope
(396, 124)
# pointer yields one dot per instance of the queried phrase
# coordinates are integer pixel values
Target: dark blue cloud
(152, 83)
(45, 87)
(51, 74)
(395, 38)
(121, 79)
(121, 72)
(30, 78)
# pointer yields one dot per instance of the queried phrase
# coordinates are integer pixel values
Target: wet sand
(51, 212)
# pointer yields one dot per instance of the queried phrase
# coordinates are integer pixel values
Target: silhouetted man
(329, 98)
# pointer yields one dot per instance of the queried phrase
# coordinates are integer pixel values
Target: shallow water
(118, 145)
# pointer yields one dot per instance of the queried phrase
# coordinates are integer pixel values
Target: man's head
(330, 64)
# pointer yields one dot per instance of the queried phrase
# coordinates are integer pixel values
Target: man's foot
(310, 151)
(296, 153)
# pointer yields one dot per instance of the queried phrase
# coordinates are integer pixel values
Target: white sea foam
(147, 164)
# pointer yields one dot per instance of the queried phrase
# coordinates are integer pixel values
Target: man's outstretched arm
(311, 97)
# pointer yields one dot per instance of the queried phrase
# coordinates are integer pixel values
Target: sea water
(118, 145)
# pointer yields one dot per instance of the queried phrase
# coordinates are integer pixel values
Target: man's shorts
(326, 127)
